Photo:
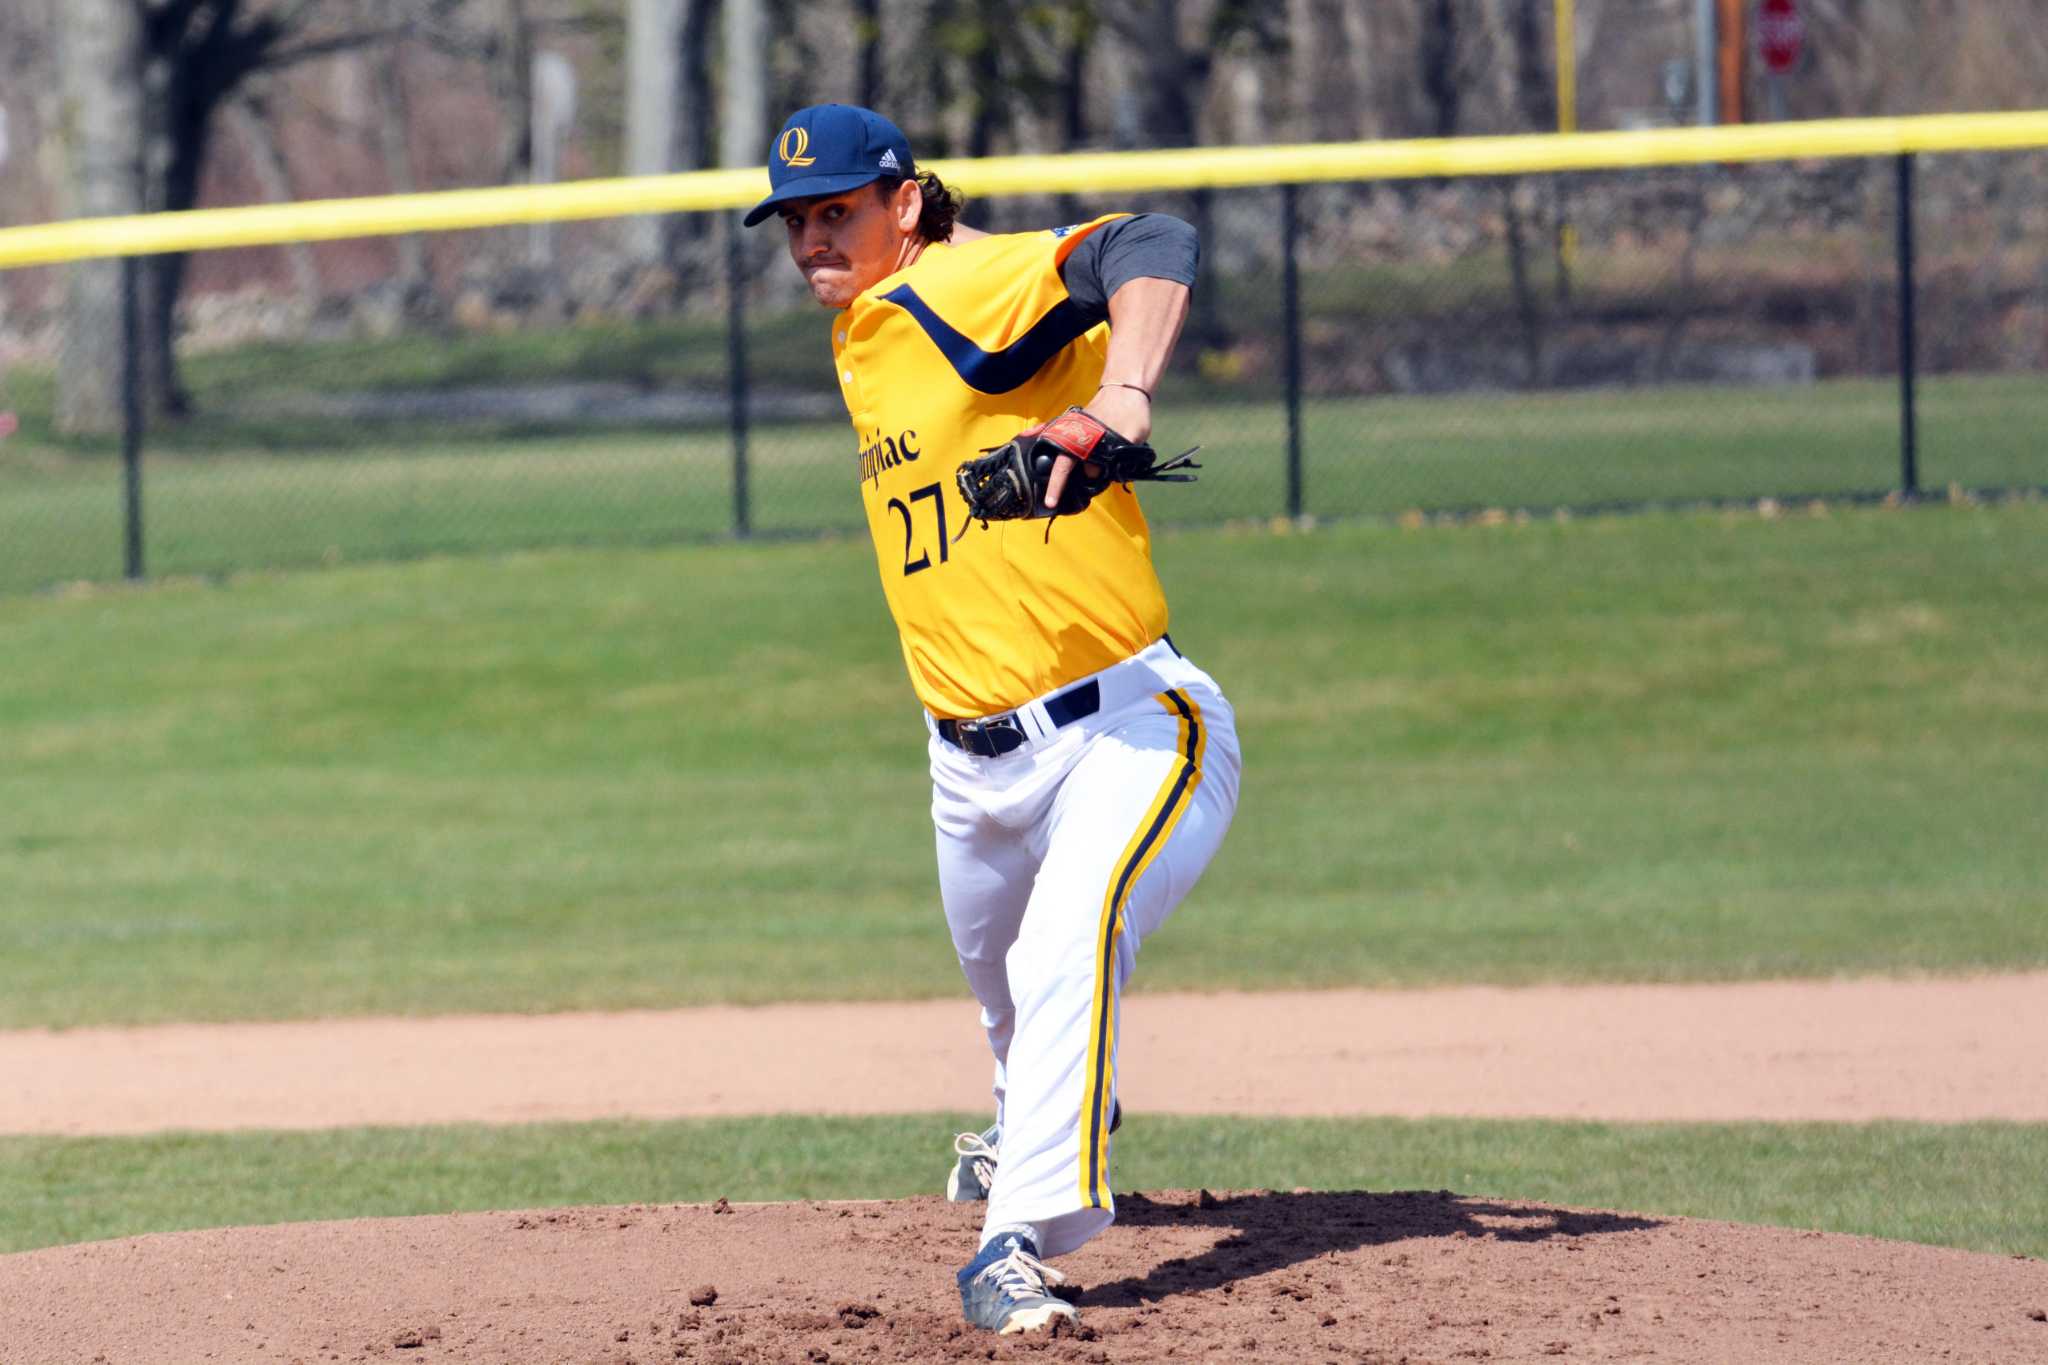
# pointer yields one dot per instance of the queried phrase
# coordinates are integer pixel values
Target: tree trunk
(1530, 100)
(1686, 296)
(1527, 311)
(1359, 54)
(251, 119)
(867, 33)
(1172, 78)
(690, 234)
(99, 52)
(654, 53)
(1248, 105)
(1174, 81)
(654, 61)
(394, 145)
(743, 123)
(985, 77)
(1077, 36)
(1532, 95)
(1329, 96)
(147, 81)
(695, 144)
(1441, 88)
(512, 83)
(183, 97)
(1075, 43)
(743, 131)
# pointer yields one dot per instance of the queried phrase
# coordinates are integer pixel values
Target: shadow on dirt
(1272, 1231)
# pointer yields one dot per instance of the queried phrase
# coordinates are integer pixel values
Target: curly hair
(942, 204)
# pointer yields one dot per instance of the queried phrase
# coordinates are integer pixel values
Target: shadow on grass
(1271, 1231)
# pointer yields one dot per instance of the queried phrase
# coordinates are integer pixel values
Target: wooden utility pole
(1733, 31)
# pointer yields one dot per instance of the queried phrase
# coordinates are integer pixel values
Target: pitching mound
(1257, 1276)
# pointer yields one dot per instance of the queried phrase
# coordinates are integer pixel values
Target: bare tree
(510, 52)
(1076, 25)
(149, 80)
(989, 62)
(1171, 73)
(1437, 60)
(394, 148)
(250, 115)
(667, 103)
(1176, 60)
(99, 48)
(867, 37)
(1521, 36)
(196, 55)
(654, 31)
(1528, 94)
(989, 91)
(743, 129)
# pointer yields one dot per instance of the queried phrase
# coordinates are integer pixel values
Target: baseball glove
(1008, 482)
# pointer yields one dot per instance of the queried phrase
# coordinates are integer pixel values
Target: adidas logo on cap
(889, 162)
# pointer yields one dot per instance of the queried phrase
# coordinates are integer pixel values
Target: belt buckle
(987, 729)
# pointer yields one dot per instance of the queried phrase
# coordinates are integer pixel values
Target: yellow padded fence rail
(1084, 172)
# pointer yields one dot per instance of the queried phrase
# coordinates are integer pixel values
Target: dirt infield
(1255, 1276)
(1937, 1049)
(1241, 1277)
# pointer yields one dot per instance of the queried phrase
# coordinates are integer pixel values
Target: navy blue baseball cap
(830, 149)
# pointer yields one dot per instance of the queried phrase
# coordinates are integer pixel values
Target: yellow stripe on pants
(1176, 794)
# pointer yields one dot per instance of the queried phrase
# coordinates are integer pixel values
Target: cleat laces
(976, 1149)
(1020, 1275)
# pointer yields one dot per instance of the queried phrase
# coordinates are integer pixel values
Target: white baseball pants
(1056, 861)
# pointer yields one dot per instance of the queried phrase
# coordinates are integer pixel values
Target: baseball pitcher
(1084, 770)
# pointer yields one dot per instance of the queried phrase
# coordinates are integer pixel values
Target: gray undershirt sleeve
(1149, 246)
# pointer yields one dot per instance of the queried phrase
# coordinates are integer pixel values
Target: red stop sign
(1780, 34)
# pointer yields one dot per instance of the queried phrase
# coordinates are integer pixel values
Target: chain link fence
(1386, 350)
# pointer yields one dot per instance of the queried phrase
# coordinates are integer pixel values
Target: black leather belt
(994, 736)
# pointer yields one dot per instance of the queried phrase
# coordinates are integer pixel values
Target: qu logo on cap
(794, 143)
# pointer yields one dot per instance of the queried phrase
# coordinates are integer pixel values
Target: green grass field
(1667, 747)
(236, 489)
(1968, 1185)
(1664, 747)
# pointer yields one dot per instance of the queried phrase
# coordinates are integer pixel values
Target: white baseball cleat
(1006, 1289)
(975, 1156)
(974, 1170)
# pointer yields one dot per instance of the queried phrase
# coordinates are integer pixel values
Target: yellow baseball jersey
(954, 354)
